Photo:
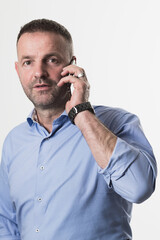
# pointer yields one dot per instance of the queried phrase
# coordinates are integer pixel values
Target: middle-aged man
(70, 172)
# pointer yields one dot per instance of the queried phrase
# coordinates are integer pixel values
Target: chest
(47, 163)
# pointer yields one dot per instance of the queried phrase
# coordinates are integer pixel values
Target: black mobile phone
(71, 86)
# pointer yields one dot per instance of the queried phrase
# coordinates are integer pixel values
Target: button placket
(39, 190)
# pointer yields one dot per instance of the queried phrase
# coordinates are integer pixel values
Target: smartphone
(71, 86)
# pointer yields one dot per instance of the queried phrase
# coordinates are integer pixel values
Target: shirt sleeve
(8, 224)
(131, 171)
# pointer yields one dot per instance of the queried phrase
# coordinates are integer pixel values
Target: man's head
(45, 25)
(44, 47)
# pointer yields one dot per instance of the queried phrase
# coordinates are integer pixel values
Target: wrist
(86, 106)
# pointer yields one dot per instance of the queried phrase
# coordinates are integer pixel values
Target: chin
(47, 101)
(47, 104)
(43, 104)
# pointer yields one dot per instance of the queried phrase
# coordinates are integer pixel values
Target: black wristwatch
(80, 108)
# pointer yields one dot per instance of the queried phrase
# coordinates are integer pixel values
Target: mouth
(42, 86)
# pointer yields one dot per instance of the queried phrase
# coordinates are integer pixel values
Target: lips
(42, 86)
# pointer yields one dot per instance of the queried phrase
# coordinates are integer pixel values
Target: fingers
(78, 80)
(67, 79)
(74, 74)
(73, 70)
(77, 83)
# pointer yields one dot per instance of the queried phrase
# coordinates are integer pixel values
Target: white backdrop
(118, 44)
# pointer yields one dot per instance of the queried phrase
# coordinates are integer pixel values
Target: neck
(47, 116)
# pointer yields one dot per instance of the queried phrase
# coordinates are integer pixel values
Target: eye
(53, 60)
(26, 63)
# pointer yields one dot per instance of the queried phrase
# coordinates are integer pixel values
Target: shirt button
(37, 230)
(40, 199)
(42, 168)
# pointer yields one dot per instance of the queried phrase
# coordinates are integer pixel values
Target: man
(69, 172)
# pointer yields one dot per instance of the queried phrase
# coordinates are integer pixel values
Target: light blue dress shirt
(51, 187)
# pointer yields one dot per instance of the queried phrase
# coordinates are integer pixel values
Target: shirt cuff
(122, 157)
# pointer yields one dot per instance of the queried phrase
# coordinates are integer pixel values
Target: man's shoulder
(16, 131)
(113, 117)
(19, 127)
(110, 112)
(101, 109)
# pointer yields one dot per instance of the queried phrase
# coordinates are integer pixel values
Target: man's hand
(80, 84)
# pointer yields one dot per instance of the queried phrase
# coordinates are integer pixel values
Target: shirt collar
(32, 117)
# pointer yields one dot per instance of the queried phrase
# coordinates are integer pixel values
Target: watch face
(75, 110)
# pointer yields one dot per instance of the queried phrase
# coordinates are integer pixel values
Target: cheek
(25, 81)
(25, 77)
(55, 74)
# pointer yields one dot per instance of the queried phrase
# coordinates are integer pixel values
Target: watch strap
(80, 108)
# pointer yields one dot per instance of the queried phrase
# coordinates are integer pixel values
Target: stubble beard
(55, 98)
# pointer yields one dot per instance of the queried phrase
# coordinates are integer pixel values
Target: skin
(42, 61)
(45, 73)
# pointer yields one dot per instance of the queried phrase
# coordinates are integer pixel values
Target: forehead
(41, 42)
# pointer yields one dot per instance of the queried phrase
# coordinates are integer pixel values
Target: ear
(17, 68)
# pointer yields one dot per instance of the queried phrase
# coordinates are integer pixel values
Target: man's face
(41, 58)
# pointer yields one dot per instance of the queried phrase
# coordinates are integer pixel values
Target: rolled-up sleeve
(131, 171)
(8, 225)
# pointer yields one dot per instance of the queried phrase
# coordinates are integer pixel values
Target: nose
(40, 70)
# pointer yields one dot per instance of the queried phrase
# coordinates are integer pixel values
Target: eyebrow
(52, 54)
(25, 57)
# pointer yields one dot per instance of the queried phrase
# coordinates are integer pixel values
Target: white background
(118, 44)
